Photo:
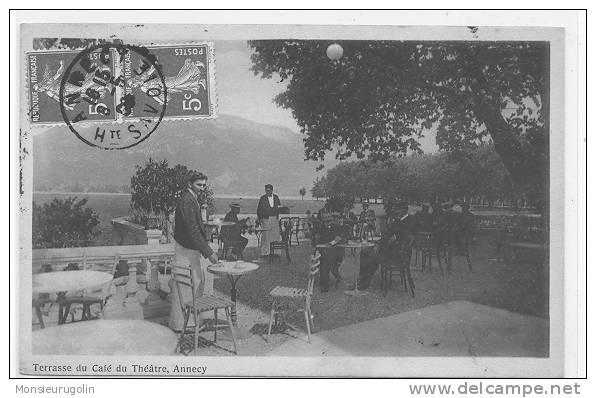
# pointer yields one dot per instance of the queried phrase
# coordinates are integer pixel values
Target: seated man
(395, 245)
(328, 232)
(424, 218)
(232, 235)
(463, 227)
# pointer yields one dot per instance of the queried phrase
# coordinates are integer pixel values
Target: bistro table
(356, 246)
(220, 223)
(64, 281)
(61, 282)
(234, 270)
(105, 337)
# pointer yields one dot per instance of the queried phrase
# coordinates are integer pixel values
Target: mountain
(238, 155)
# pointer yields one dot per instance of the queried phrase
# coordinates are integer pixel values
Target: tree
(319, 188)
(302, 192)
(381, 96)
(417, 178)
(64, 223)
(156, 187)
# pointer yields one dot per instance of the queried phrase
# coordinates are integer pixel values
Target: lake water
(109, 206)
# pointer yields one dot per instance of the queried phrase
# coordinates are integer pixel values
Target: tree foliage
(64, 223)
(417, 178)
(381, 96)
(156, 187)
(302, 192)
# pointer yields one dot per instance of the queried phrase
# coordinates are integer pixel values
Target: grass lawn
(521, 287)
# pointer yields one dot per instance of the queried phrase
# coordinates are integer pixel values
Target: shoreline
(220, 196)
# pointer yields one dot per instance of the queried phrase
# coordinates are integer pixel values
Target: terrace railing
(150, 255)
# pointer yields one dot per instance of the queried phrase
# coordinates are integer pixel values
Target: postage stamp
(189, 77)
(85, 83)
(45, 73)
(108, 78)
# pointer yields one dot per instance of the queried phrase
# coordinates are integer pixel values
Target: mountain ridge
(237, 154)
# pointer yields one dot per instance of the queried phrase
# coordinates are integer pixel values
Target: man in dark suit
(267, 213)
(395, 245)
(232, 235)
(326, 231)
(192, 245)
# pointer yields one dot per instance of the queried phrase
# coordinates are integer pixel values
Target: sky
(241, 93)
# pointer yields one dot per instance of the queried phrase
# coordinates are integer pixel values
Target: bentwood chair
(279, 293)
(297, 227)
(184, 278)
(399, 264)
(425, 245)
(459, 246)
(285, 229)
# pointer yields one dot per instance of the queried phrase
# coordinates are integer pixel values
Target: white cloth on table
(271, 233)
(203, 283)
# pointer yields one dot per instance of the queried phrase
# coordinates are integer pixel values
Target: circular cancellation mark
(117, 83)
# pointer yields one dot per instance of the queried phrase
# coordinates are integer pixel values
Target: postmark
(92, 81)
(188, 71)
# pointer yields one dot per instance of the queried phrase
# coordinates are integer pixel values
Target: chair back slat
(315, 263)
(184, 279)
(285, 229)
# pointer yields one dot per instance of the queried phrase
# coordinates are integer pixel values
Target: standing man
(267, 213)
(192, 244)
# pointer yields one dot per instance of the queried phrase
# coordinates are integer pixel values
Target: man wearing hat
(192, 244)
(267, 213)
(232, 234)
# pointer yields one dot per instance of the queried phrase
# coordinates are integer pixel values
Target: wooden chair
(38, 304)
(285, 229)
(285, 222)
(184, 279)
(459, 245)
(225, 242)
(400, 265)
(425, 245)
(280, 293)
(296, 228)
(89, 297)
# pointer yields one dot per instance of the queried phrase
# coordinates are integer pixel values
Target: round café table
(220, 224)
(354, 246)
(234, 270)
(61, 282)
(64, 281)
(105, 337)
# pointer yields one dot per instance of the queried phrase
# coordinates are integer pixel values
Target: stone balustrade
(107, 258)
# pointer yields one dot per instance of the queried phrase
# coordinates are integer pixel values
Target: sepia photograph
(291, 200)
